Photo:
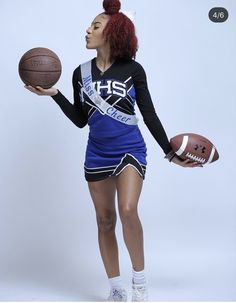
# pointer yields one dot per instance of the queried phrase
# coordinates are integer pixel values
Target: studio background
(48, 233)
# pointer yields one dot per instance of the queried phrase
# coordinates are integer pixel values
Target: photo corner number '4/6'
(218, 14)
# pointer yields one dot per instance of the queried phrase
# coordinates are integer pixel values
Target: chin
(89, 46)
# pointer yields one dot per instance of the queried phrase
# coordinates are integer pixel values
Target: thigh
(129, 186)
(103, 195)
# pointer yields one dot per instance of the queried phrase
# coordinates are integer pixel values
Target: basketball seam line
(42, 56)
(40, 71)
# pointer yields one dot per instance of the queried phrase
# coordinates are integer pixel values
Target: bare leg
(129, 186)
(103, 196)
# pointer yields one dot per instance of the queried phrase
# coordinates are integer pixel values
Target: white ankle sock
(139, 277)
(116, 282)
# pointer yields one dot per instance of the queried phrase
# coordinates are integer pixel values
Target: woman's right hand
(52, 91)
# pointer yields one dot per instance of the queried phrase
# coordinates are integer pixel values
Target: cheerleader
(106, 91)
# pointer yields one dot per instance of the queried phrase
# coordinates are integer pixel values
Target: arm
(152, 121)
(73, 111)
(147, 110)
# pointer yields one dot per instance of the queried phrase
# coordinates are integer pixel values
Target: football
(194, 147)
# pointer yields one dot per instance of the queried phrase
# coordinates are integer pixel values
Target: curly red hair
(119, 32)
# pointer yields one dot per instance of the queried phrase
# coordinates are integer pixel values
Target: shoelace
(139, 292)
(117, 293)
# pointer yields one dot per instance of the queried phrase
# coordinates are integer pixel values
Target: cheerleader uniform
(112, 144)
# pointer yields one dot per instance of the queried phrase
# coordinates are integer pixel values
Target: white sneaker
(140, 293)
(117, 295)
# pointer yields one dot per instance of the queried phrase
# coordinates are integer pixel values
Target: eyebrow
(96, 22)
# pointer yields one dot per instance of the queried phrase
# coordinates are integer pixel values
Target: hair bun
(111, 7)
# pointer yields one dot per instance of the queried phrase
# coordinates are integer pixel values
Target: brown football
(194, 147)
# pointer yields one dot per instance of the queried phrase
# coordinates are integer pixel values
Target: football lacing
(195, 158)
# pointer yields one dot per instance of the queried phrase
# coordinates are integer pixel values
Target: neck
(103, 58)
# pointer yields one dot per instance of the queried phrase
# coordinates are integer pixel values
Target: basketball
(40, 67)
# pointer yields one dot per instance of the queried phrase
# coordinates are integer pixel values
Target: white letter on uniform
(119, 89)
(107, 87)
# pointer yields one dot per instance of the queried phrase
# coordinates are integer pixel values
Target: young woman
(105, 92)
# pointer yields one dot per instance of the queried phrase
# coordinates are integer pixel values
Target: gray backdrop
(48, 237)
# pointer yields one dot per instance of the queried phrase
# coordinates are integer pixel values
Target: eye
(96, 27)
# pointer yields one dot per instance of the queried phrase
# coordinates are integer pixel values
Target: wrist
(54, 93)
(172, 158)
(170, 155)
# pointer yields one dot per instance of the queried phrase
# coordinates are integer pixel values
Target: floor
(177, 277)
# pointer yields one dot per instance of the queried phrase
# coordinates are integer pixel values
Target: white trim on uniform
(116, 101)
(129, 101)
(98, 172)
(129, 164)
(100, 167)
(93, 95)
(128, 79)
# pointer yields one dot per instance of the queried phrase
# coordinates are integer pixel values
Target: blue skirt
(108, 155)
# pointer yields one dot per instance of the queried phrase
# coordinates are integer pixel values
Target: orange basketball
(40, 67)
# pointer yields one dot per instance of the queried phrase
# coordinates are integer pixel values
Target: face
(94, 37)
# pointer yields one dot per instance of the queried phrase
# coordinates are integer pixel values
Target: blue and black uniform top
(122, 85)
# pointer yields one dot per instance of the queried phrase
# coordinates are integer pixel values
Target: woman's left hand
(185, 163)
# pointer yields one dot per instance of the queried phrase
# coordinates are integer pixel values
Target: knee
(128, 215)
(106, 223)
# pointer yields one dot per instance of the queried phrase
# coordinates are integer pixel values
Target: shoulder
(133, 64)
(137, 69)
(132, 67)
(77, 71)
(77, 74)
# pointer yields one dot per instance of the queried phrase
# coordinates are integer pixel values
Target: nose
(88, 31)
